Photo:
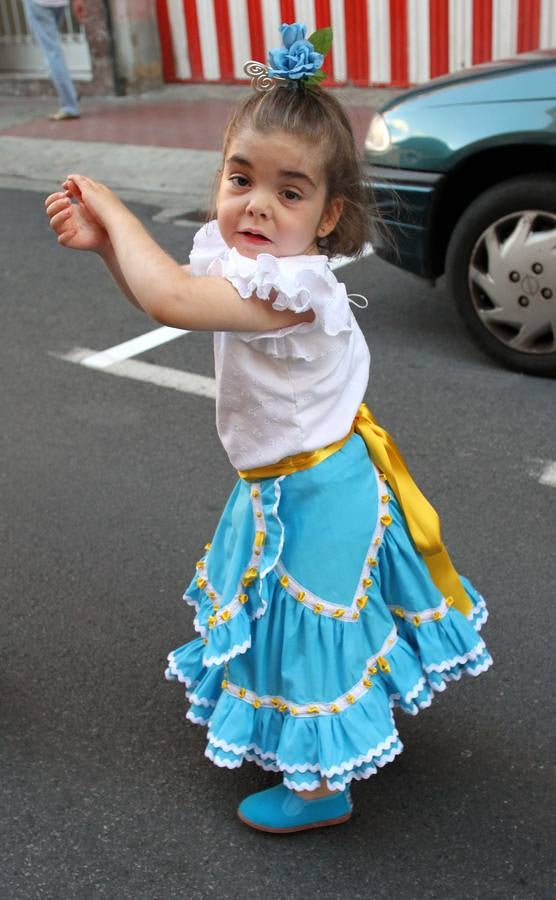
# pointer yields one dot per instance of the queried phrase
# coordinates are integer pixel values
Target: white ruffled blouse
(293, 389)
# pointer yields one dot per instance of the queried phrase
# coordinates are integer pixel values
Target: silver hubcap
(512, 280)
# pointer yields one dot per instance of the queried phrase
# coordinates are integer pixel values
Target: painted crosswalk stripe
(162, 376)
(133, 347)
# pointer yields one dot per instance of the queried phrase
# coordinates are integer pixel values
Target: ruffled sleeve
(298, 283)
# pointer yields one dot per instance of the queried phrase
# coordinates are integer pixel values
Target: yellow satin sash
(297, 463)
(422, 519)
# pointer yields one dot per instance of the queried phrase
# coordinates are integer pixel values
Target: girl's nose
(259, 205)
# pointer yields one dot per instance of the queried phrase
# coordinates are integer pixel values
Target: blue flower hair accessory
(298, 62)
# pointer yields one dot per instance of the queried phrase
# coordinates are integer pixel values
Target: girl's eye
(239, 181)
(292, 195)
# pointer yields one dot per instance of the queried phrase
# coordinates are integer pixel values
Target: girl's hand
(102, 204)
(73, 223)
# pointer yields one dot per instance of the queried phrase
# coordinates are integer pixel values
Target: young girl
(325, 597)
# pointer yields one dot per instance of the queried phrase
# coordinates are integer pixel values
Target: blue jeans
(44, 23)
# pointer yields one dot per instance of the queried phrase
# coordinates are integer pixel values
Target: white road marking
(163, 376)
(543, 471)
(134, 347)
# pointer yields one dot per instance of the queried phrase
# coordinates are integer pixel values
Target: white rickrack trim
(197, 720)
(172, 673)
(200, 701)
(448, 664)
(302, 768)
(348, 612)
(479, 614)
(237, 650)
(223, 614)
(372, 666)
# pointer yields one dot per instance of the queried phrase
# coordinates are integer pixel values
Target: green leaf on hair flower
(315, 79)
(321, 40)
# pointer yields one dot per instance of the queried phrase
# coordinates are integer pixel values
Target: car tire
(501, 272)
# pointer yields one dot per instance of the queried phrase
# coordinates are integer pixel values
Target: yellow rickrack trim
(300, 596)
(313, 710)
(243, 598)
(208, 546)
(338, 613)
(226, 615)
(318, 608)
(416, 621)
(211, 621)
(201, 583)
(249, 576)
(367, 582)
(383, 664)
(362, 601)
(386, 520)
(284, 581)
(260, 538)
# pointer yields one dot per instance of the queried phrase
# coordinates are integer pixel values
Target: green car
(462, 176)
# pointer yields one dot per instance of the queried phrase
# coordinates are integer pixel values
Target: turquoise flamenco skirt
(317, 617)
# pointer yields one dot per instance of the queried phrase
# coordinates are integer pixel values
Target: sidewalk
(162, 147)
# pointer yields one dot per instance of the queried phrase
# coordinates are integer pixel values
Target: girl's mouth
(255, 238)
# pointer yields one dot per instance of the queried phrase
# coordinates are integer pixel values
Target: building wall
(376, 42)
(136, 44)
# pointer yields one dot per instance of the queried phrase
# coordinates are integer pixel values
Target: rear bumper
(402, 205)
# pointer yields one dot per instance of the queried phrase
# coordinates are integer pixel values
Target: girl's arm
(158, 285)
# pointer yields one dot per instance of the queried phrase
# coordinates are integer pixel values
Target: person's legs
(44, 24)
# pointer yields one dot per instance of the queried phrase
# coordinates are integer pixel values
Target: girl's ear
(330, 217)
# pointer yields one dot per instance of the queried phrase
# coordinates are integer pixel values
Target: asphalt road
(111, 486)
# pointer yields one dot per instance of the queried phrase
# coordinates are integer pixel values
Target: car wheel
(501, 271)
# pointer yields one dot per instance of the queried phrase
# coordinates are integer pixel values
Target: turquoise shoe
(281, 811)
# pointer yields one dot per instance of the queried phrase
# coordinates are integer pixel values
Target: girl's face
(272, 194)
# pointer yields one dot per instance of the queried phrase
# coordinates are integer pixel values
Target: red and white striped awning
(376, 42)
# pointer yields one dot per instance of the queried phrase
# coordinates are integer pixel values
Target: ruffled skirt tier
(317, 617)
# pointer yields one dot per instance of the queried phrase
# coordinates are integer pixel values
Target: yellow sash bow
(422, 519)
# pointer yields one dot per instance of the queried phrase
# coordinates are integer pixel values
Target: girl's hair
(318, 118)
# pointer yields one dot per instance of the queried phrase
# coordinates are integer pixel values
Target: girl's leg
(44, 25)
